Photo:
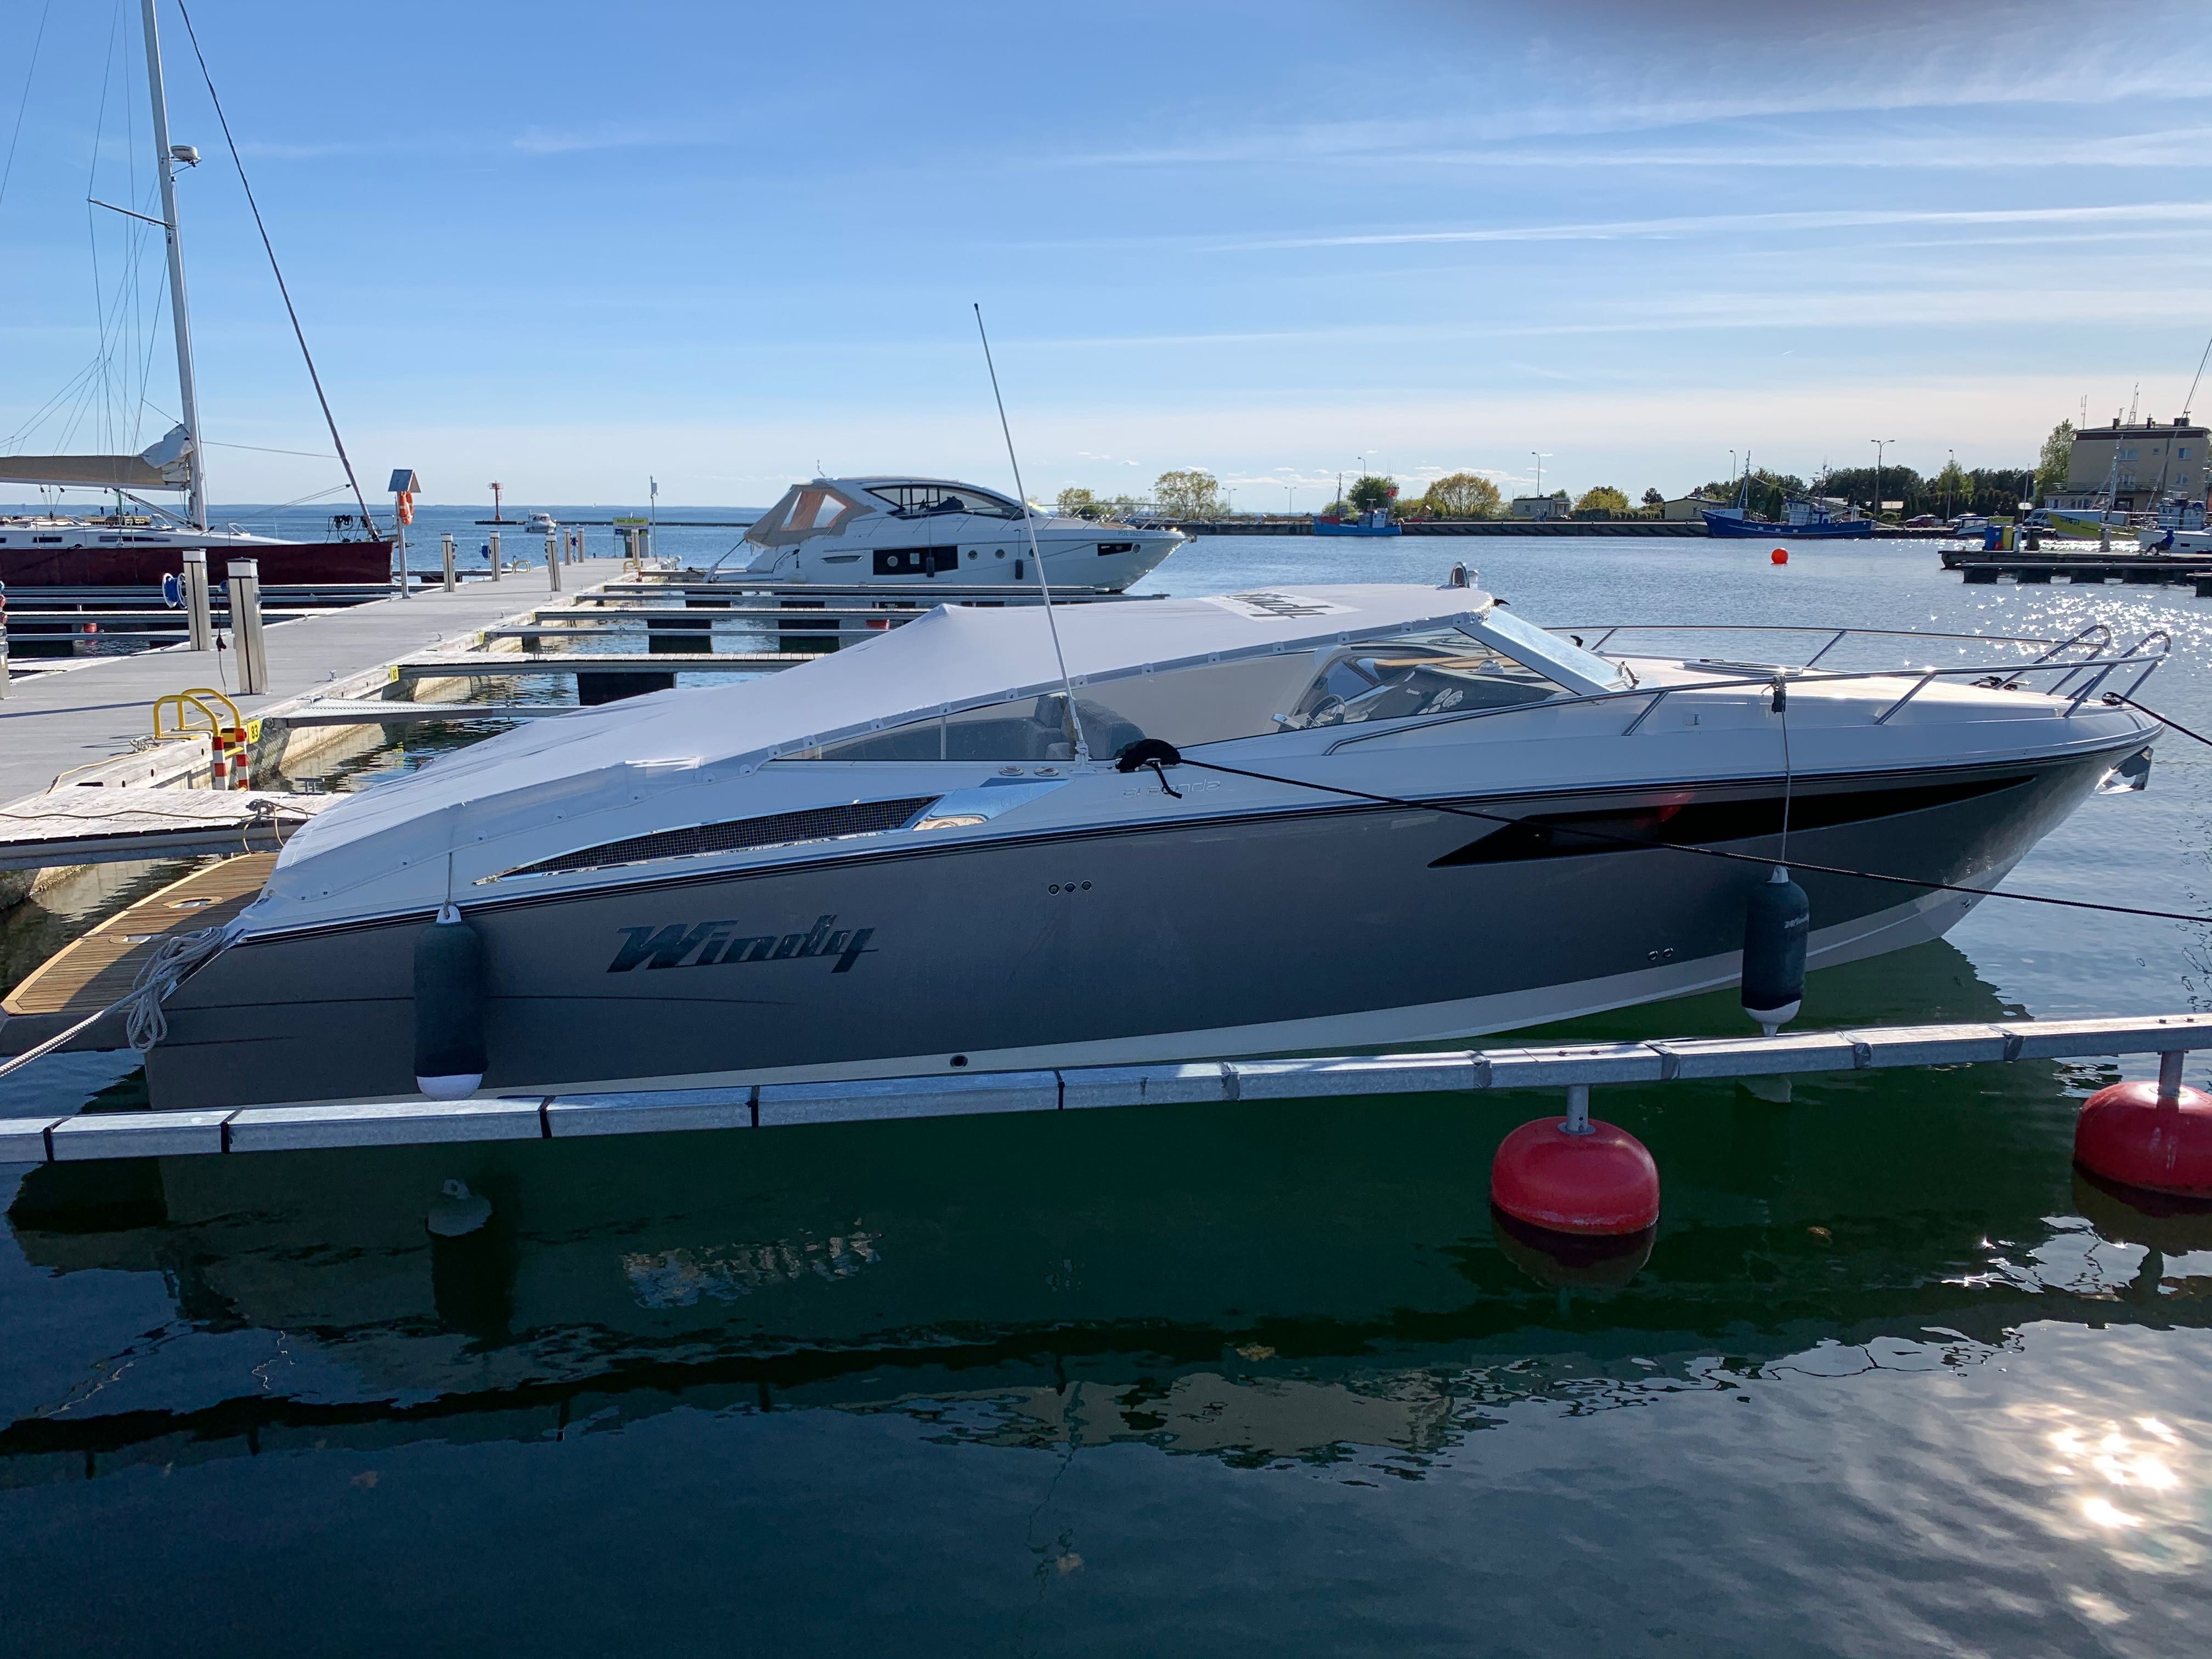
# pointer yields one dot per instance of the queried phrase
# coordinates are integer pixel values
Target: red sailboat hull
(285, 564)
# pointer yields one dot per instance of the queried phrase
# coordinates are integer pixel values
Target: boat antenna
(1029, 524)
(267, 247)
(2190, 402)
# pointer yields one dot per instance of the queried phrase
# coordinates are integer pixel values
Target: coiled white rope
(144, 1024)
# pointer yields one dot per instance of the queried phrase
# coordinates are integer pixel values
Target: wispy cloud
(1884, 308)
(531, 141)
(1950, 59)
(1690, 224)
(550, 141)
(1764, 147)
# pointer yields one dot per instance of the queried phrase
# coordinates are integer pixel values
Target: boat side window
(1432, 673)
(1194, 702)
(928, 500)
(1031, 728)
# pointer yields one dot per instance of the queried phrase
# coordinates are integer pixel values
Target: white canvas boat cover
(956, 658)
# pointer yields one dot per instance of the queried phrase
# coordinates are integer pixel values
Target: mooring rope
(1152, 754)
(144, 1024)
(2163, 719)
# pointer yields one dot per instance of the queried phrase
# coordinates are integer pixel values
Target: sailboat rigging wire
(1067, 685)
(2190, 402)
(1171, 757)
(30, 76)
(267, 247)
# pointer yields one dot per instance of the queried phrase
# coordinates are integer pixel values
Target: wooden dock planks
(95, 970)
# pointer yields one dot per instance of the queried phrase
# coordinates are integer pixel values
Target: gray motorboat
(913, 856)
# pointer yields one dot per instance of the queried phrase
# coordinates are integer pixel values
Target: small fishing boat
(1376, 522)
(1804, 519)
(541, 524)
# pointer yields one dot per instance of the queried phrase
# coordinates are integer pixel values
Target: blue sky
(566, 246)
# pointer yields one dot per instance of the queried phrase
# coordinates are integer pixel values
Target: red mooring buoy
(2156, 1136)
(1599, 1183)
(1780, 555)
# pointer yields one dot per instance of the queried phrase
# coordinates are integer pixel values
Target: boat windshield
(805, 510)
(924, 501)
(1422, 672)
(1435, 672)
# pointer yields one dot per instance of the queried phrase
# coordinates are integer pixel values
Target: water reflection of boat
(1171, 1281)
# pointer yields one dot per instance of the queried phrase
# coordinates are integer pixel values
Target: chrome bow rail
(2076, 657)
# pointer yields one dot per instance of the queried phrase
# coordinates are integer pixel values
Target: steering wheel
(1329, 709)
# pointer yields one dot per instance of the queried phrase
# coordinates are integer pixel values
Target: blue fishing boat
(1802, 520)
(1376, 522)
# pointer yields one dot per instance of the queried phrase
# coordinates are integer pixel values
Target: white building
(1554, 506)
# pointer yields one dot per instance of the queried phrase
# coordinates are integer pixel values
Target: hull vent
(866, 818)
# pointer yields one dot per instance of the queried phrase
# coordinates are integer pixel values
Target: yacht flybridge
(865, 530)
(912, 856)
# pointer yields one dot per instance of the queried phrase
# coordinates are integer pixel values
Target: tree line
(1190, 493)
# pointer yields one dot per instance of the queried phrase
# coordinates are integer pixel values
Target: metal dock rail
(414, 1122)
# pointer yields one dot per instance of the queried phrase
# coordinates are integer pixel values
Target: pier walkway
(56, 723)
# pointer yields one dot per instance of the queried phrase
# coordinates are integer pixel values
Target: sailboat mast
(180, 313)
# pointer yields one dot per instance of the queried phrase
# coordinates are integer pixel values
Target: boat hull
(282, 564)
(1754, 529)
(1263, 933)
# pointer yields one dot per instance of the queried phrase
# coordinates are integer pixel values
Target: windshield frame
(1579, 671)
(1469, 623)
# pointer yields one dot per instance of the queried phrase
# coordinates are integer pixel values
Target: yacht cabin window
(921, 501)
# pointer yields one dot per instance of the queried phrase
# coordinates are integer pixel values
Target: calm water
(1180, 1380)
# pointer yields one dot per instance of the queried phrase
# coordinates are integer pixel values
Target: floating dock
(66, 828)
(2143, 570)
(416, 1122)
(79, 727)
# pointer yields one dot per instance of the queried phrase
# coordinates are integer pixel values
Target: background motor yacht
(896, 860)
(907, 530)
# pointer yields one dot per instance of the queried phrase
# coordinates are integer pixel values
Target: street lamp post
(1880, 444)
(1949, 473)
